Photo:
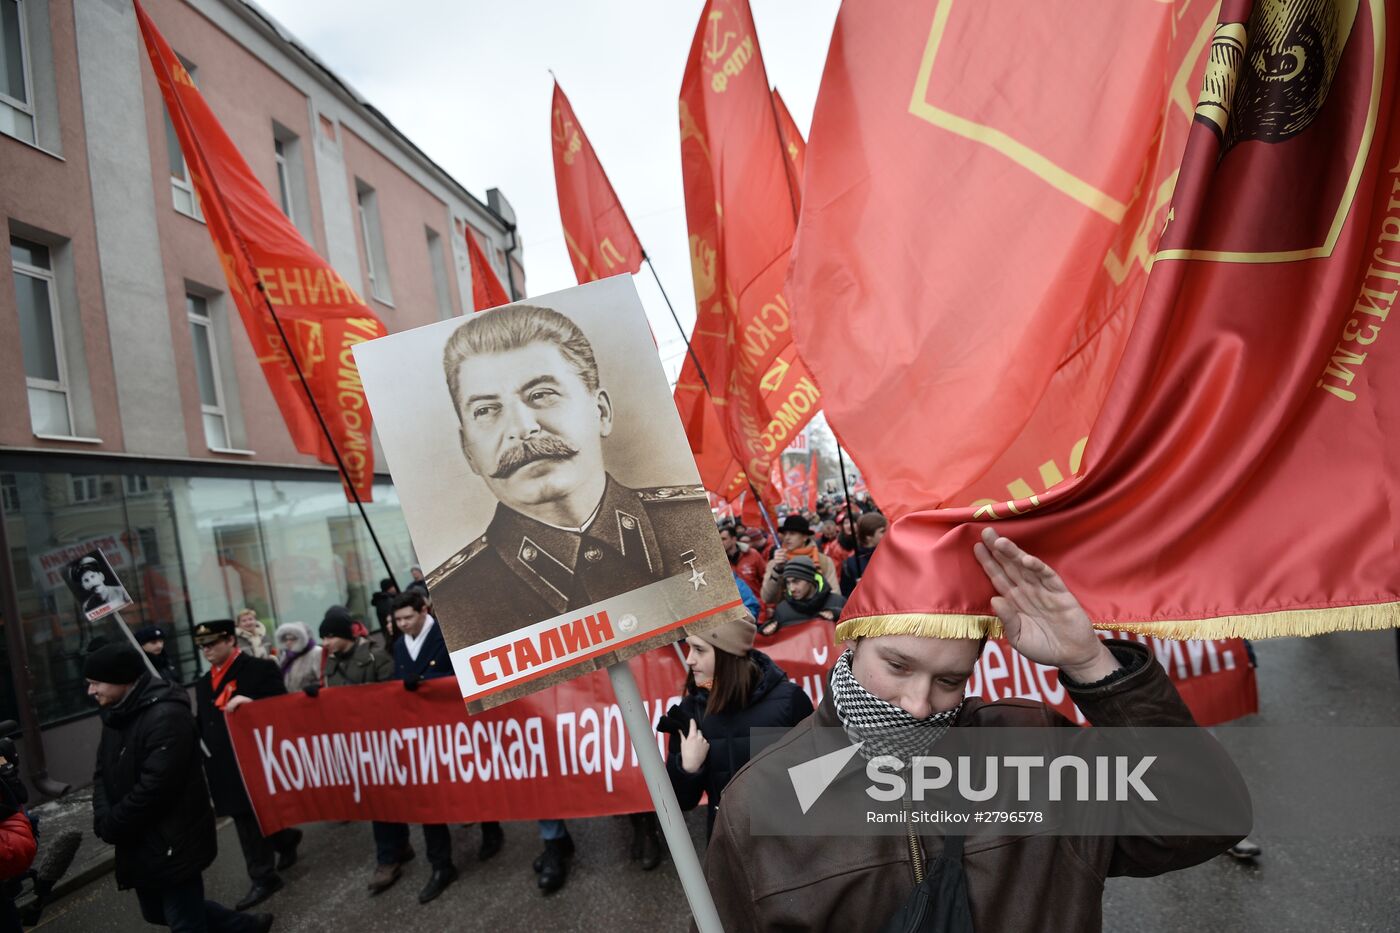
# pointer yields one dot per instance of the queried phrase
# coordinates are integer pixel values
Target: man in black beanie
(808, 596)
(151, 638)
(351, 660)
(149, 798)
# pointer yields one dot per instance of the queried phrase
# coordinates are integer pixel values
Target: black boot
(553, 864)
(259, 892)
(652, 847)
(438, 883)
(539, 859)
(287, 855)
(492, 838)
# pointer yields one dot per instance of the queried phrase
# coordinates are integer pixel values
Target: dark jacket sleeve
(727, 879)
(1145, 696)
(100, 809)
(262, 679)
(400, 663)
(799, 705)
(383, 667)
(169, 745)
(688, 787)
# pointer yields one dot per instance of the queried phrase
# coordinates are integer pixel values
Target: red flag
(1235, 477)
(794, 146)
(487, 291)
(751, 512)
(709, 442)
(740, 212)
(262, 253)
(812, 484)
(980, 208)
(599, 235)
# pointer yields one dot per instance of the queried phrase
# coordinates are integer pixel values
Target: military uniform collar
(547, 557)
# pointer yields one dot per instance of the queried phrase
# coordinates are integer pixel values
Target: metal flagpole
(688, 349)
(663, 797)
(325, 429)
(763, 509)
(850, 521)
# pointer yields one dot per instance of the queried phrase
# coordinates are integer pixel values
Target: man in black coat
(420, 654)
(235, 678)
(149, 799)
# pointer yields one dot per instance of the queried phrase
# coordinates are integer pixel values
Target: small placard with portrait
(95, 586)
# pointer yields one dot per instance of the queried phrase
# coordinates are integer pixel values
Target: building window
(41, 333)
(284, 183)
(206, 364)
(149, 541)
(135, 485)
(439, 267)
(16, 88)
(292, 191)
(9, 492)
(181, 184)
(376, 265)
(86, 488)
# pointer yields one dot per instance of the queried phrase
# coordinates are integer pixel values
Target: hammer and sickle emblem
(717, 44)
(702, 267)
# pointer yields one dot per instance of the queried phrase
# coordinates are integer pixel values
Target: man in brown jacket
(1013, 883)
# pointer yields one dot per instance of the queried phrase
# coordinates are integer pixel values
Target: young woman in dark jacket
(731, 689)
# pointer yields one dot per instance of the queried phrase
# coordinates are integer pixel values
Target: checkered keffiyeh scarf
(883, 727)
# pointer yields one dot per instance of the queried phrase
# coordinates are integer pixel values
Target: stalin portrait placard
(548, 485)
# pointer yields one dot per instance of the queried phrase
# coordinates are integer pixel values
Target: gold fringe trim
(1298, 623)
(922, 624)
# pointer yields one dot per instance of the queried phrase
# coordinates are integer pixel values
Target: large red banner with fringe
(1152, 305)
(380, 752)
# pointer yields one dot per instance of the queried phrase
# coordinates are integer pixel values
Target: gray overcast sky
(469, 83)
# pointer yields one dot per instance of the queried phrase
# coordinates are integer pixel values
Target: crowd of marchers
(164, 772)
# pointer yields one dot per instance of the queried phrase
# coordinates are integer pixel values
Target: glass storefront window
(188, 549)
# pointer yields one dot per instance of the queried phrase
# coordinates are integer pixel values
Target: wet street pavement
(1299, 884)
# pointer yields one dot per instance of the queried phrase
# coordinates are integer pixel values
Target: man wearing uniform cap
(151, 638)
(235, 678)
(566, 533)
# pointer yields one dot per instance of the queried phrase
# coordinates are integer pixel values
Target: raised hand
(1039, 615)
(694, 749)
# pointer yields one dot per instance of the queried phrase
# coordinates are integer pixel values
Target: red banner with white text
(380, 752)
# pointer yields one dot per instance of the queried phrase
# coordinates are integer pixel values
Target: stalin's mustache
(544, 447)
